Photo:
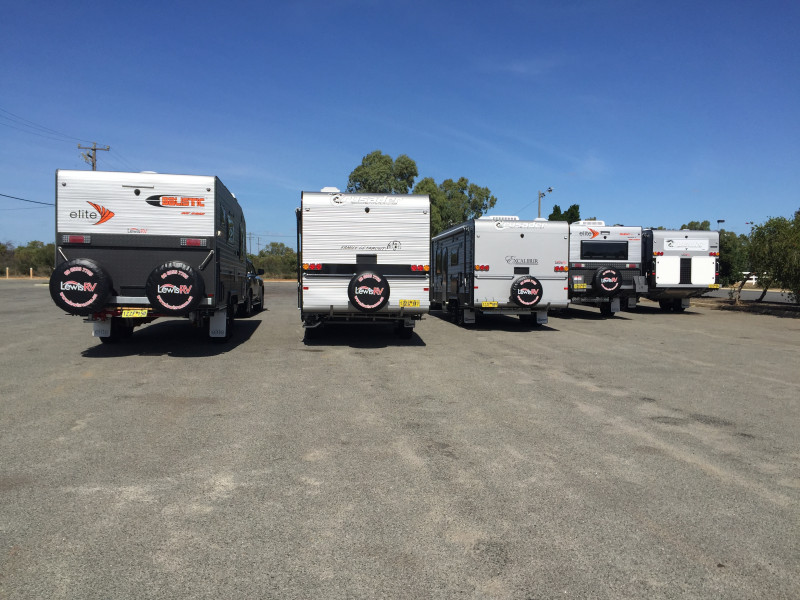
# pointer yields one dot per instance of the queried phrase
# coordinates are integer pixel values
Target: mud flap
(217, 324)
(101, 329)
(615, 305)
(469, 316)
(541, 317)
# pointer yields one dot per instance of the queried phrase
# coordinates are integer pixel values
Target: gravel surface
(652, 455)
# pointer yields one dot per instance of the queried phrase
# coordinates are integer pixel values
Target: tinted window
(601, 250)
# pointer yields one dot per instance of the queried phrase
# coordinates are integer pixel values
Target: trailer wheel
(607, 281)
(368, 291)
(526, 291)
(119, 330)
(605, 309)
(80, 286)
(665, 305)
(175, 288)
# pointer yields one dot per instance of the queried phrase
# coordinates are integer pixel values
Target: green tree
(697, 226)
(35, 255)
(278, 260)
(454, 201)
(572, 214)
(774, 253)
(733, 260)
(379, 174)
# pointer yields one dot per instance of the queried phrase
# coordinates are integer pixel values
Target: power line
(25, 200)
(30, 124)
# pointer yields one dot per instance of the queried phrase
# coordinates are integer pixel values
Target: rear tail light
(312, 267)
(632, 266)
(578, 265)
(194, 242)
(713, 253)
(481, 267)
(420, 267)
(561, 268)
(76, 239)
(658, 254)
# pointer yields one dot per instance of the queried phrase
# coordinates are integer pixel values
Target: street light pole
(541, 195)
(719, 222)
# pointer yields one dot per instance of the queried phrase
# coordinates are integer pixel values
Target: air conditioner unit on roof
(499, 218)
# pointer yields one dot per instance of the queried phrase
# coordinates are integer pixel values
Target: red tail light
(561, 268)
(713, 253)
(196, 242)
(76, 239)
(481, 267)
(658, 254)
(312, 267)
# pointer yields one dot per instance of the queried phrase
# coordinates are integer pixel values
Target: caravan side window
(231, 227)
(454, 255)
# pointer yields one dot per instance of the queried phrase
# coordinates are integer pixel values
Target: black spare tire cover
(368, 291)
(80, 286)
(607, 280)
(175, 288)
(526, 291)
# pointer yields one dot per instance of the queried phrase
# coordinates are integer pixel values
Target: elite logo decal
(102, 214)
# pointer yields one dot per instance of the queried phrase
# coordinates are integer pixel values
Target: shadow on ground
(173, 337)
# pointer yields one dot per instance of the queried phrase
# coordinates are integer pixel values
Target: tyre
(607, 281)
(175, 288)
(403, 332)
(259, 305)
(119, 331)
(665, 305)
(368, 291)
(526, 291)
(605, 309)
(677, 305)
(80, 286)
(246, 307)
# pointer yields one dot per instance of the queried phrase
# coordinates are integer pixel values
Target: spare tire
(526, 291)
(607, 281)
(80, 286)
(175, 288)
(368, 291)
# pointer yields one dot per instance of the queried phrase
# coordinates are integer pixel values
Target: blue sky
(643, 113)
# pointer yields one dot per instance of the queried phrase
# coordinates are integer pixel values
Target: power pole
(91, 157)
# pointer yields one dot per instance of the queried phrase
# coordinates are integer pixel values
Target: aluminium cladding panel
(326, 294)
(596, 234)
(337, 226)
(509, 246)
(105, 202)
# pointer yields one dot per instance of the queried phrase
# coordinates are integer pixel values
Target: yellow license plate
(579, 286)
(134, 312)
(488, 304)
(714, 286)
(409, 303)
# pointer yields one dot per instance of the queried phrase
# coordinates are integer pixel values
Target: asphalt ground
(652, 455)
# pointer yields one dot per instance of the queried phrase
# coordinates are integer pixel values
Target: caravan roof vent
(591, 223)
(332, 190)
(499, 218)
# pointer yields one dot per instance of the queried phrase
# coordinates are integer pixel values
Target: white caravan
(132, 247)
(605, 265)
(501, 265)
(680, 265)
(363, 258)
